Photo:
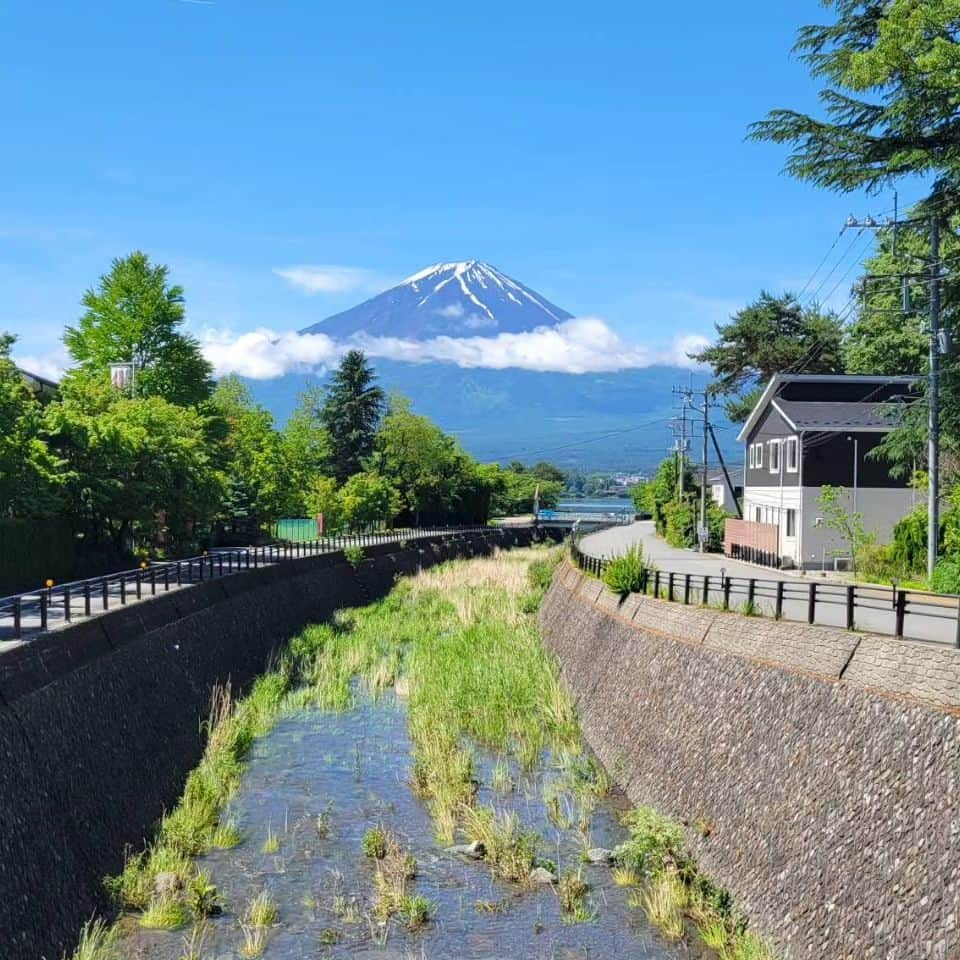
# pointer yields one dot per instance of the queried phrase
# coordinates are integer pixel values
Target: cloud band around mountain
(581, 345)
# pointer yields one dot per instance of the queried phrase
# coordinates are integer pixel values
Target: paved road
(927, 619)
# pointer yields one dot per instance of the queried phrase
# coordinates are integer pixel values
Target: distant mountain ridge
(465, 298)
(604, 421)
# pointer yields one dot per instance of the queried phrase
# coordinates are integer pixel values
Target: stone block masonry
(818, 770)
(100, 722)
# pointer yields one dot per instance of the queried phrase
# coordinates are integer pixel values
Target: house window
(758, 450)
(774, 456)
(791, 523)
(792, 451)
(757, 514)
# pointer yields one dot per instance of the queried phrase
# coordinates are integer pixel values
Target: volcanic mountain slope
(618, 420)
(462, 299)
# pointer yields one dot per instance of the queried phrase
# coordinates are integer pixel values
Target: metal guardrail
(34, 611)
(903, 612)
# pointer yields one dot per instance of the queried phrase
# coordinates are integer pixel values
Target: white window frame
(752, 455)
(775, 445)
(793, 443)
(759, 458)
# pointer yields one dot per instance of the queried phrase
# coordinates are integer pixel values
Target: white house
(808, 431)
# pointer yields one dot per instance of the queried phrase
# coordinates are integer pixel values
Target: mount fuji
(463, 299)
(605, 421)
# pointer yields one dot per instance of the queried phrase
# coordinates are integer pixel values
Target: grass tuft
(97, 942)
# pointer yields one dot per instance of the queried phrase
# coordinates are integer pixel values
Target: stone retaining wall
(818, 770)
(100, 722)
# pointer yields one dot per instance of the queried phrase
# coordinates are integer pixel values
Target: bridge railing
(36, 611)
(904, 614)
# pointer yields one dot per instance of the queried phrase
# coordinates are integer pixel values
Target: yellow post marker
(48, 583)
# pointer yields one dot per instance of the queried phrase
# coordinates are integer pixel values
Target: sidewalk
(928, 618)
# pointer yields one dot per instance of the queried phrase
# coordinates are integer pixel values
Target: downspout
(801, 519)
(780, 517)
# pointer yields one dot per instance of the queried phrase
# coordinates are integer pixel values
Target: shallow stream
(352, 771)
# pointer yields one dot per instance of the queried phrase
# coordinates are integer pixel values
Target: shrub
(354, 556)
(654, 840)
(624, 574)
(374, 843)
(946, 575)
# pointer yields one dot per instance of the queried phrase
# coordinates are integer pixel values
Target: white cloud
(264, 355)
(582, 345)
(453, 311)
(50, 365)
(327, 278)
(683, 345)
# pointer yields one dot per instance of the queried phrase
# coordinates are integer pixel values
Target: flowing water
(352, 771)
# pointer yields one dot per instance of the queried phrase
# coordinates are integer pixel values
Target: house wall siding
(770, 426)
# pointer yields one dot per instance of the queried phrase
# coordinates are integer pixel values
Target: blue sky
(594, 152)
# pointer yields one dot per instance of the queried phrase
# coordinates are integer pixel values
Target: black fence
(38, 610)
(905, 614)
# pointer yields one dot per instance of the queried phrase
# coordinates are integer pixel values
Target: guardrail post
(644, 576)
(751, 591)
(705, 593)
(43, 609)
(179, 574)
(901, 612)
(778, 608)
(139, 582)
(17, 615)
(670, 586)
(153, 581)
(123, 590)
(86, 599)
(656, 584)
(66, 604)
(686, 589)
(726, 593)
(851, 604)
(812, 603)
(105, 593)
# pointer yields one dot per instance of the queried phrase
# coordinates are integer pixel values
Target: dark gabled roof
(826, 415)
(736, 477)
(859, 388)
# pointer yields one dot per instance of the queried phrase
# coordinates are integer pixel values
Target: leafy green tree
(368, 500)
(28, 469)
(652, 497)
(135, 315)
(253, 458)
(432, 474)
(543, 470)
(770, 335)
(512, 493)
(322, 497)
(306, 440)
(890, 73)
(136, 469)
(848, 524)
(886, 339)
(351, 414)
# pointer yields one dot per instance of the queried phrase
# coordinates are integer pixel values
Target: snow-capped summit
(465, 298)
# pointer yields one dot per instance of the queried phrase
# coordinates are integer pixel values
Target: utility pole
(936, 347)
(702, 532)
(933, 410)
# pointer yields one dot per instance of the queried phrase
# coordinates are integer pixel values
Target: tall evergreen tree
(891, 71)
(351, 413)
(768, 336)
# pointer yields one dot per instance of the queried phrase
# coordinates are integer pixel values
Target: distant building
(722, 492)
(807, 432)
(43, 388)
